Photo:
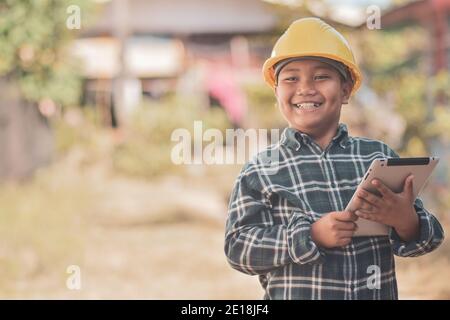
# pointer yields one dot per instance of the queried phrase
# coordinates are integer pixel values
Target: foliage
(263, 110)
(33, 47)
(146, 151)
(400, 73)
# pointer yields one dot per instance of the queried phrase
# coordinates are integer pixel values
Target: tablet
(392, 172)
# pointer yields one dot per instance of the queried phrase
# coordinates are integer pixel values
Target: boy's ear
(346, 90)
(275, 90)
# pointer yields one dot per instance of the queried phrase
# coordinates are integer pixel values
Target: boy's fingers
(346, 216)
(359, 202)
(352, 216)
(367, 215)
(368, 197)
(346, 226)
(346, 234)
(386, 193)
(366, 205)
(409, 183)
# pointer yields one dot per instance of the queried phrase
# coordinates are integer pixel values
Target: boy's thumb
(347, 216)
(410, 184)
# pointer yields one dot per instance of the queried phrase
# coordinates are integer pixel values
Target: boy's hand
(392, 209)
(335, 229)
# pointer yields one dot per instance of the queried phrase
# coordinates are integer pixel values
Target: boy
(290, 228)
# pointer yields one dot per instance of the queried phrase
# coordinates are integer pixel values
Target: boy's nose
(305, 88)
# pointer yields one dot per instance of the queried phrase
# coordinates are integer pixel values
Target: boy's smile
(310, 94)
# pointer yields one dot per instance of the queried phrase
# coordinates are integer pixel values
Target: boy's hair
(339, 66)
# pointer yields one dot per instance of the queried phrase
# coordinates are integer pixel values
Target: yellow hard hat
(312, 37)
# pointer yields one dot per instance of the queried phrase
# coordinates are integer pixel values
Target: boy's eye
(321, 76)
(292, 78)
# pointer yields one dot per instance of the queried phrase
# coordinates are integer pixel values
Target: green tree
(33, 47)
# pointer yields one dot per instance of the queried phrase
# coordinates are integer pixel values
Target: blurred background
(91, 91)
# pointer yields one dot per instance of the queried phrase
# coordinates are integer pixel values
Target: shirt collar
(294, 138)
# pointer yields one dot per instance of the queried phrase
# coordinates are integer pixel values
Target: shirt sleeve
(431, 235)
(254, 244)
(431, 232)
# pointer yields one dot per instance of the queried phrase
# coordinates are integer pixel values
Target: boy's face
(310, 94)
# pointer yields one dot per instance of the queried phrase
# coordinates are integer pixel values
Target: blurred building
(142, 48)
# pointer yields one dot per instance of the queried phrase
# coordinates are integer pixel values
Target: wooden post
(121, 32)
(26, 140)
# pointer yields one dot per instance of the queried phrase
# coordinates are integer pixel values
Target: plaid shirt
(270, 215)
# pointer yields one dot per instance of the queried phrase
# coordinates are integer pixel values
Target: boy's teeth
(309, 105)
